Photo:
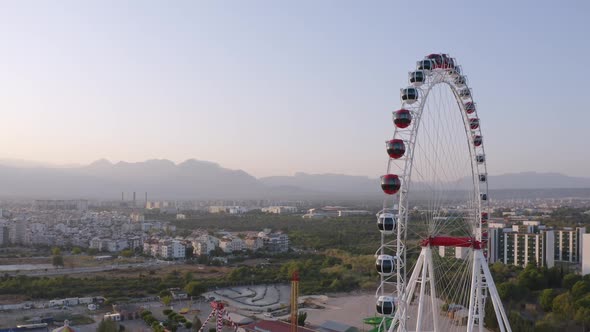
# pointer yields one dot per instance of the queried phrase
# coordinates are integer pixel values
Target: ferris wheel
(432, 260)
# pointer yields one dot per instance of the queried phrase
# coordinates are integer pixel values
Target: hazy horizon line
(28, 163)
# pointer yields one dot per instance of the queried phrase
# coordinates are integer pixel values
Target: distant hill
(102, 179)
(533, 180)
(335, 183)
(195, 179)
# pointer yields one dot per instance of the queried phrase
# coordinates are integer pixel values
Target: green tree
(563, 306)
(107, 326)
(546, 299)
(188, 277)
(127, 253)
(166, 300)
(579, 289)
(569, 280)
(55, 251)
(301, 317)
(532, 278)
(582, 317)
(57, 261)
(76, 251)
(511, 292)
(195, 288)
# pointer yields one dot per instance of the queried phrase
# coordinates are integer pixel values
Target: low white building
(280, 209)
(228, 209)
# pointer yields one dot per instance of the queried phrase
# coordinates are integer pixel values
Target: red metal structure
(449, 241)
(221, 314)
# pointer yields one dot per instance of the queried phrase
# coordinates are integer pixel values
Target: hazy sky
(275, 87)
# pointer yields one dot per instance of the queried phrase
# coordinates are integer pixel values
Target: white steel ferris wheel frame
(481, 279)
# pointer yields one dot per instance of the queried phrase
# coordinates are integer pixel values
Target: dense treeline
(542, 299)
(332, 271)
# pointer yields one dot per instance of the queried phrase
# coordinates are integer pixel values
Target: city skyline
(273, 89)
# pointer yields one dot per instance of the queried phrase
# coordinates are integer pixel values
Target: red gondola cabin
(396, 148)
(390, 183)
(402, 118)
(469, 107)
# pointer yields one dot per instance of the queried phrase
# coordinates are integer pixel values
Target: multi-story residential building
(523, 248)
(253, 243)
(278, 242)
(95, 243)
(568, 244)
(231, 244)
(585, 254)
(172, 250)
(17, 232)
(530, 241)
(116, 245)
(521, 244)
(4, 235)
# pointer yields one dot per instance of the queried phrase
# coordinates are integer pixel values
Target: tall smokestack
(122, 196)
(134, 198)
(146, 198)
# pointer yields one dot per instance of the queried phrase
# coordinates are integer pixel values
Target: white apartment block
(254, 243)
(228, 209)
(172, 250)
(231, 245)
(280, 209)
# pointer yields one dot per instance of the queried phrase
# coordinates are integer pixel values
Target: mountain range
(195, 179)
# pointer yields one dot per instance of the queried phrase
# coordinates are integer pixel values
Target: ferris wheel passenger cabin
(409, 95)
(441, 60)
(386, 223)
(402, 118)
(417, 77)
(390, 183)
(460, 81)
(425, 64)
(396, 148)
(469, 107)
(465, 93)
(385, 264)
(386, 305)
